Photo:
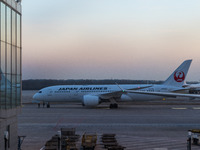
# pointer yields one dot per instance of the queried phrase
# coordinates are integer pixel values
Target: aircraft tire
(48, 105)
(113, 105)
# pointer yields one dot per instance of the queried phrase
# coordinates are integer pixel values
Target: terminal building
(10, 72)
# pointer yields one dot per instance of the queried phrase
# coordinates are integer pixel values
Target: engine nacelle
(125, 97)
(90, 100)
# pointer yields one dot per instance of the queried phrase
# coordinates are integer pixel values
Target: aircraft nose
(36, 96)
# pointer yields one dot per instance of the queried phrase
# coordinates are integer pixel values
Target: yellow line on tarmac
(178, 108)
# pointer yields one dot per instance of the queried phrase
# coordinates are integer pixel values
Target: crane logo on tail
(179, 76)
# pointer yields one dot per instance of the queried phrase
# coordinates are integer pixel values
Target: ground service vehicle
(89, 140)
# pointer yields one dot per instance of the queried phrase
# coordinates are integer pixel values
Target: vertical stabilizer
(177, 78)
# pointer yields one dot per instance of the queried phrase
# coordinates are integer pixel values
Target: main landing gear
(115, 105)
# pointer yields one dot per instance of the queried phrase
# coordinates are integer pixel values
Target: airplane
(192, 86)
(93, 95)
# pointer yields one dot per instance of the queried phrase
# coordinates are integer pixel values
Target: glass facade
(10, 57)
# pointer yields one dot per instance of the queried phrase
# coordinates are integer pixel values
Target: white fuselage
(75, 93)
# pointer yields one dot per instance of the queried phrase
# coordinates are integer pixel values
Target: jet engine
(125, 97)
(90, 100)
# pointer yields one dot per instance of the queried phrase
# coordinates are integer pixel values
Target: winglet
(120, 87)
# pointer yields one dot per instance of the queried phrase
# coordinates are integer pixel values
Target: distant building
(10, 72)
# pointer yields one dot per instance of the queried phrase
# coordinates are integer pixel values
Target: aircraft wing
(165, 94)
(120, 92)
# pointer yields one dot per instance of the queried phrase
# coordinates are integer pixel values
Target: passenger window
(40, 92)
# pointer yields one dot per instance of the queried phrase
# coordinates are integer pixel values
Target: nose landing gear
(48, 105)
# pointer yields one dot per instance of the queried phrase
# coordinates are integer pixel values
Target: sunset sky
(110, 39)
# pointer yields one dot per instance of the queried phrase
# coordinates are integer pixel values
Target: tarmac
(157, 125)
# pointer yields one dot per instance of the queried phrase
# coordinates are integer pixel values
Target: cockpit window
(40, 92)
